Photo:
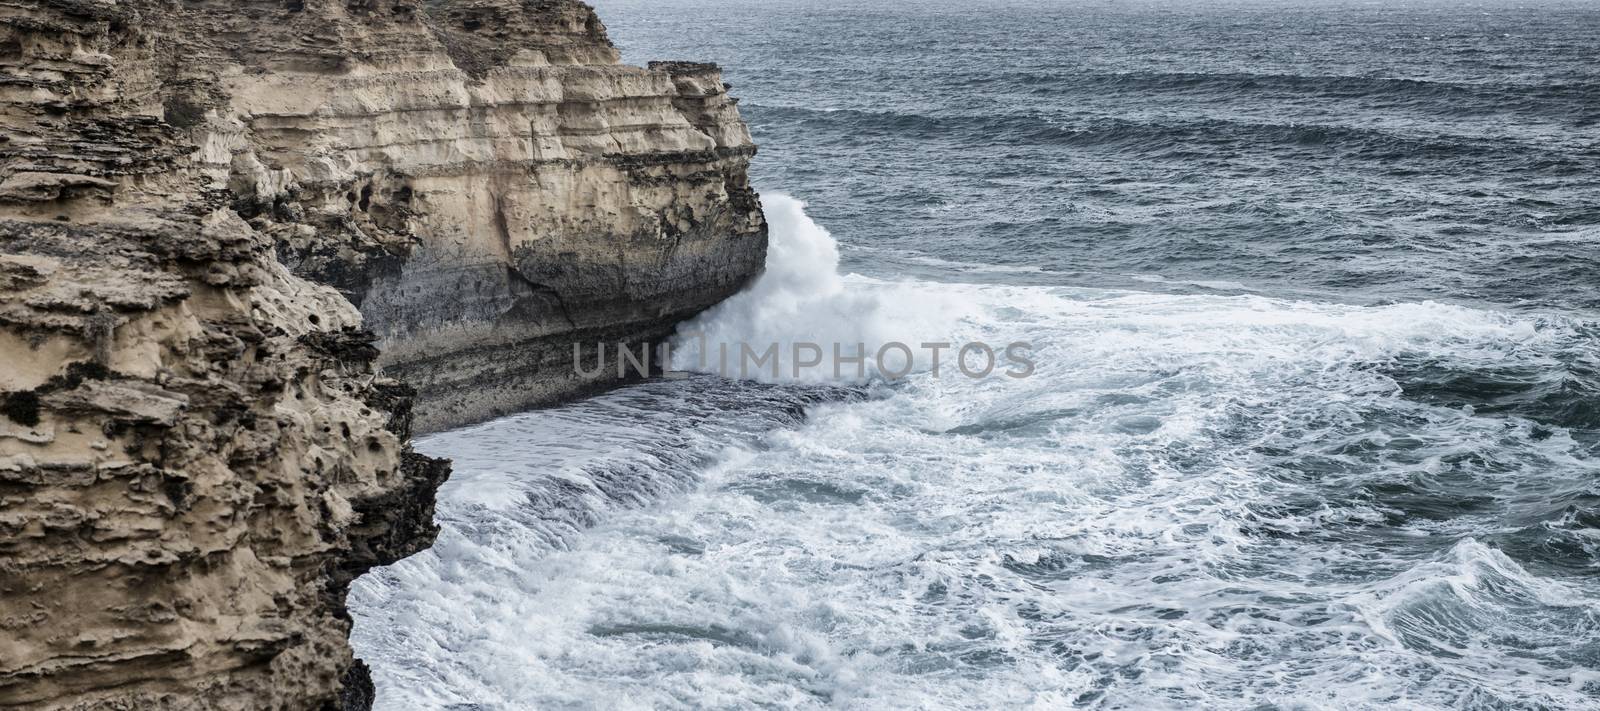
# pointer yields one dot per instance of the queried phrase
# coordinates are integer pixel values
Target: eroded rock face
(490, 187)
(197, 455)
(198, 447)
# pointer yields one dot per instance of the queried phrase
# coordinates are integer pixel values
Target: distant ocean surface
(1314, 292)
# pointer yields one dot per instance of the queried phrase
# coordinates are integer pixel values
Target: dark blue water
(1316, 424)
(1364, 151)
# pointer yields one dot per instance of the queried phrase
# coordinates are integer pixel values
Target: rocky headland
(247, 247)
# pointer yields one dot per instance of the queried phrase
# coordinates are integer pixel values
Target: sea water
(1315, 422)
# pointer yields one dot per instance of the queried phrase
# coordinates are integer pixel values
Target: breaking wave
(802, 298)
(1211, 500)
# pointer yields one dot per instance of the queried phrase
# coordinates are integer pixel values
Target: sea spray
(1246, 480)
(1229, 486)
(802, 320)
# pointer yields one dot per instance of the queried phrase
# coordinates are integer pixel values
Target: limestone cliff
(229, 230)
(488, 185)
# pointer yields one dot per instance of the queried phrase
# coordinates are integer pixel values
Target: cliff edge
(491, 188)
(233, 234)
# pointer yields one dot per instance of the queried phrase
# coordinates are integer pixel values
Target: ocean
(1313, 296)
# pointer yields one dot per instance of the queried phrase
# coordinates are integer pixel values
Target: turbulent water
(1312, 293)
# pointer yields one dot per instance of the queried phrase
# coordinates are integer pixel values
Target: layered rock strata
(491, 188)
(229, 230)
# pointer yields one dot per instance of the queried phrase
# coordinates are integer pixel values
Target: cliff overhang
(246, 248)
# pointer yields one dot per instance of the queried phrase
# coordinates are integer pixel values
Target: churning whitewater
(1314, 424)
(1197, 500)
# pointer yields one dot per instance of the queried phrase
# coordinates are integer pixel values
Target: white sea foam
(802, 298)
(1193, 504)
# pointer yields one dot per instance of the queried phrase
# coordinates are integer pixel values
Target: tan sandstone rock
(207, 210)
